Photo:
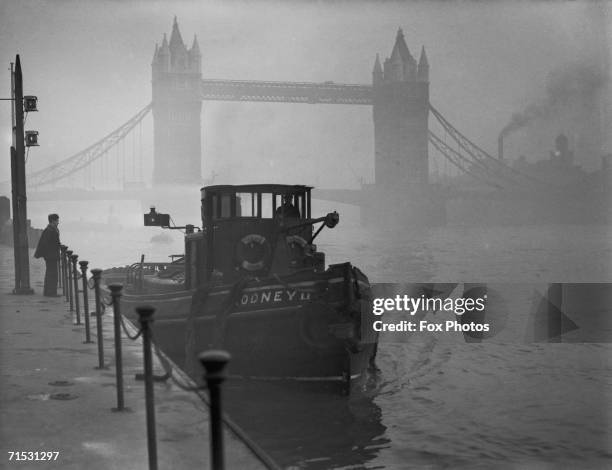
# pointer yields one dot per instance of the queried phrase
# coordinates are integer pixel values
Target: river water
(437, 401)
(110, 234)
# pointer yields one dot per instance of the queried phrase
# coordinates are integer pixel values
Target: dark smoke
(576, 84)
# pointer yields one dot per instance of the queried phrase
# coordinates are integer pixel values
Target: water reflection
(308, 425)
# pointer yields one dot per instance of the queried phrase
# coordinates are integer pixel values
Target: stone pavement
(53, 399)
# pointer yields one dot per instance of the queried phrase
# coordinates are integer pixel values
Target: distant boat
(161, 238)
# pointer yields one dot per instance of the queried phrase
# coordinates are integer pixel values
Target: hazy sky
(89, 64)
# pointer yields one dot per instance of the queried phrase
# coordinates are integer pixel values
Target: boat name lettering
(270, 296)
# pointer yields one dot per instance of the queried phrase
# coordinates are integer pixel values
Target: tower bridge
(398, 95)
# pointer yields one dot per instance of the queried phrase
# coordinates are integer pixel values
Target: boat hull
(305, 326)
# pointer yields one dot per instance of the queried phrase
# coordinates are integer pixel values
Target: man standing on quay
(49, 249)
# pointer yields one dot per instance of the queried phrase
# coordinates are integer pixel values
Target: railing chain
(126, 331)
(168, 367)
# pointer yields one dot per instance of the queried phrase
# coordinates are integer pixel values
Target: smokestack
(500, 146)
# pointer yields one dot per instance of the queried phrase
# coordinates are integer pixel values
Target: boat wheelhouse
(254, 230)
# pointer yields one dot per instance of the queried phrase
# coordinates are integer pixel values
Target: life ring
(298, 248)
(296, 239)
(252, 252)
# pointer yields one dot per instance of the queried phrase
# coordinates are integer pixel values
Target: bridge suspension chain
(492, 165)
(464, 164)
(85, 157)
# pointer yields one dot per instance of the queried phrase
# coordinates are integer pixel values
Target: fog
(530, 69)
(89, 65)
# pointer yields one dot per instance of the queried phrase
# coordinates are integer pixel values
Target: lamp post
(18, 179)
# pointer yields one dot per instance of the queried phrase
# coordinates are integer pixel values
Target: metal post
(145, 316)
(116, 294)
(63, 249)
(59, 272)
(214, 363)
(83, 265)
(18, 184)
(75, 278)
(69, 278)
(96, 277)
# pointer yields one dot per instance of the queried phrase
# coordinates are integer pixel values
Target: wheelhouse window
(221, 206)
(247, 205)
(290, 205)
(267, 208)
(255, 202)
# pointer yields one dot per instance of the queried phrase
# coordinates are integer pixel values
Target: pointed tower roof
(164, 47)
(195, 47)
(401, 47)
(377, 66)
(396, 56)
(395, 71)
(423, 70)
(377, 73)
(423, 59)
(176, 40)
(195, 56)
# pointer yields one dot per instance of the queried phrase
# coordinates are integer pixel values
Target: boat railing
(137, 271)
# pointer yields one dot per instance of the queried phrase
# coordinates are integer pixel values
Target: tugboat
(252, 282)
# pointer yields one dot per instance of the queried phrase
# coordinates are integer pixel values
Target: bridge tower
(401, 109)
(177, 105)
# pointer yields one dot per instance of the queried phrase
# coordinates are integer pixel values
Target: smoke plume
(575, 84)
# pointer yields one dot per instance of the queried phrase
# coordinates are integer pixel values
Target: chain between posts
(213, 362)
(127, 333)
(168, 367)
(122, 322)
(105, 301)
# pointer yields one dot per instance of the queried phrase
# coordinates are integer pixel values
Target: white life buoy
(298, 248)
(252, 252)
